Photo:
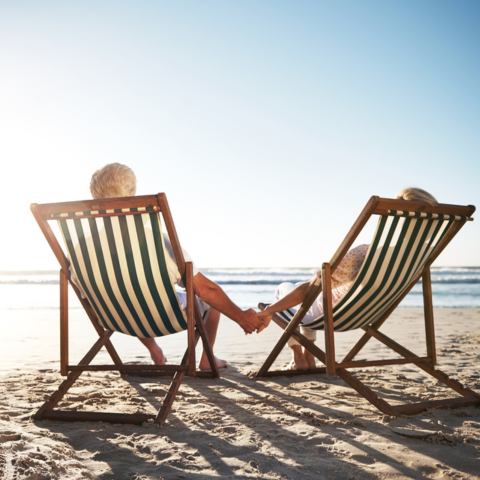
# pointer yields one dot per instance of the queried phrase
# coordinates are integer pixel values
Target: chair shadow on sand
(236, 426)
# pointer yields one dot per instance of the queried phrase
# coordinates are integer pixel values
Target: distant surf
(454, 287)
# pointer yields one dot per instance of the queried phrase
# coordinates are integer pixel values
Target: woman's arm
(292, 299)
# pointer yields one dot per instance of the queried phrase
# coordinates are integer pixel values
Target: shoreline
(40, 346)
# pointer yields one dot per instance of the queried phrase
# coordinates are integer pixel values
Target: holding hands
(292, 299)
(249, 321)
(265, 318)
(255, 321)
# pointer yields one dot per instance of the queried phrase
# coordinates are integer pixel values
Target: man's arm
(213, 294)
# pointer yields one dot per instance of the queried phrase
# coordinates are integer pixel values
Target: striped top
(344, 275)
(120, 263)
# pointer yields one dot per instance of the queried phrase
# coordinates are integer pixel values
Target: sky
(268, 123)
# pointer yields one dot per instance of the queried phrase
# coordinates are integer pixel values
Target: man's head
(113, 180)
(417, 195)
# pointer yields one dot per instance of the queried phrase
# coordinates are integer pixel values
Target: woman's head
(113, 180)
(417, 195)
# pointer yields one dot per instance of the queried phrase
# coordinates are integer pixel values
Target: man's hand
(265, 317)
(249, 321)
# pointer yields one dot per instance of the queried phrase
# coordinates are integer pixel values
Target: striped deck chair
(116, 250)
(408, 238)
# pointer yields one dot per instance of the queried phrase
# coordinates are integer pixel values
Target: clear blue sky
(268, 124)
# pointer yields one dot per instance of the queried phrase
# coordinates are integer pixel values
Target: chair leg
(365, 392)
(190, 319)
(63, 323)
(274, 354)
(93, 319)
(291, 327)
(46, 410)
(347, 377)
(198, 374)
(169, 398)
(289, 330)
(264, 371)
(428, 312)
(430, 369)
(328, 319)
(72, 376)
(206, 343)
(393, 410)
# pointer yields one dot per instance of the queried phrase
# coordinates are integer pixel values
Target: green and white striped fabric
(399, 250)
(120, 263)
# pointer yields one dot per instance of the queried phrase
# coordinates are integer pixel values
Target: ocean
(29, 313)
(453, 287)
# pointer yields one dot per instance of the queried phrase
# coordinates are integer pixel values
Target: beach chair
(116, 249)
(409, 237)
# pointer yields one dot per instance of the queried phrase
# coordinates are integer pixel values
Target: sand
(240, 426)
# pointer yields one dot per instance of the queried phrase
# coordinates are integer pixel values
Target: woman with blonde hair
(290, 296)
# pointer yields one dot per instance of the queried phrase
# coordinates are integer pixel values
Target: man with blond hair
(117, 180)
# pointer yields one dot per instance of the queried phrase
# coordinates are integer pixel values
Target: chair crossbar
(71, 416)
(454, 402)
(378, 363)
(440, 216)
(103, 213)
(125, 368)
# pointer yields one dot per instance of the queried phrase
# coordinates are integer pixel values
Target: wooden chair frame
(376, 206)
(195, 326)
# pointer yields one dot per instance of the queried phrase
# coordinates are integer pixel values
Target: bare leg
(310, 358)
(299, 361)
(211, 327)
(155, 351)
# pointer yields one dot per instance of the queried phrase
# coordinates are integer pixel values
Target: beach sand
(239, 426)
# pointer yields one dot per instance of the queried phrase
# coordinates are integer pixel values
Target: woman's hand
(265, 317)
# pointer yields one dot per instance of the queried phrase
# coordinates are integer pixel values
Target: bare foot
(300, 365)
(310, 359)
(158, 357)
(298, 359)
(205, 364)
(155, 351)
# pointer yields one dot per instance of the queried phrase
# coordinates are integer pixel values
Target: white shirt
(172, 266)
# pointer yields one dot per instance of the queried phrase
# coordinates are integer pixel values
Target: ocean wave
(252, 281)
(258, 282)
(24, 281)
(36, 307)
(455, 281)
(253, 276)
(444, 293)
(455, 269)
(27, 273)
